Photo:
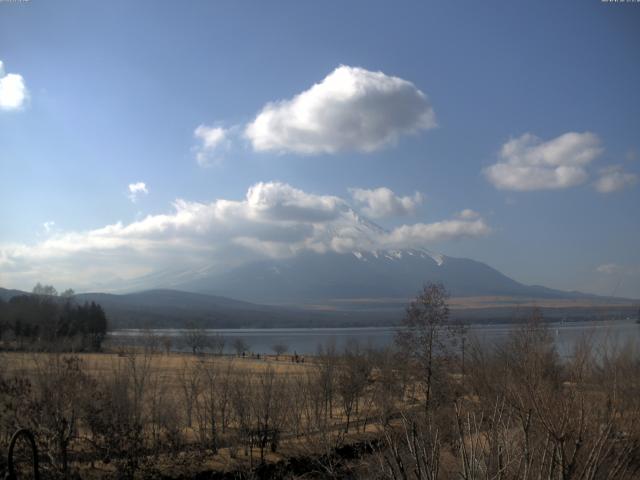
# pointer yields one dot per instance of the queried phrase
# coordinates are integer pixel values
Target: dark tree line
(47, 318)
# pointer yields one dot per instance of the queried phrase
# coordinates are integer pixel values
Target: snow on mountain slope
(354, 268)
(315, 277)
(399, 254)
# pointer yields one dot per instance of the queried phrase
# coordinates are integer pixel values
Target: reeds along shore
(509, 411)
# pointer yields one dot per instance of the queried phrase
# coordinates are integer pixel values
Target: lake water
(307, 340)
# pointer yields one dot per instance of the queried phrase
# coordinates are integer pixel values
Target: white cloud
(280, 201)
(420, 233)
(213, 144)
(13, 91)
(382, 202)
(618, 270)
(352, 109)
(613, 179)
(48, 226)
(136, 189)
(468, 214)
(273, 220)
(529, 163)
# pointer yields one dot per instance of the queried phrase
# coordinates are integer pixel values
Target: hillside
(318, 278)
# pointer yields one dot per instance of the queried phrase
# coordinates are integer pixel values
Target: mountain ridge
(358, 288)
(312, 277)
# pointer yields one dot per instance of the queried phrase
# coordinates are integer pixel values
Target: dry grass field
(496, 301)
(181, 398)
(170, 370)
(170, 365)
(514, 412)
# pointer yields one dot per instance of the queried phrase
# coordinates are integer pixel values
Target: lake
(306, 340)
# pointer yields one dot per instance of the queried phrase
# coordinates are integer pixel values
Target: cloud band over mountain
(273, 220)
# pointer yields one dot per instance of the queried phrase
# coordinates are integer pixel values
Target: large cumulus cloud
(529, 163)
(13, 91)
(352, 109)
(383, 202)
(273, 220)
(614, 178)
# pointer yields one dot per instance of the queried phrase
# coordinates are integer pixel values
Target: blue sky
(114, 92)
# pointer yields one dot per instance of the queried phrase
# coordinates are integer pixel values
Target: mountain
(334, 289)
(164, 308)
(7, 294)
(311, 278)
(178, 309)
(317, 278)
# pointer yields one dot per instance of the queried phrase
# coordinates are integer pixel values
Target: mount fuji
(362, 277)
(379, 271)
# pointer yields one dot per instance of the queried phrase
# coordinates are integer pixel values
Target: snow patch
(438, 258)
(399, 255)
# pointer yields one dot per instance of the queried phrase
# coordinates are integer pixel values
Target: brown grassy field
(495, 301)
(514, 412)
(26, 363)
(175, 380)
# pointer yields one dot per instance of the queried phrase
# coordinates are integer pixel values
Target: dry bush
(535, 416)
(410, 450)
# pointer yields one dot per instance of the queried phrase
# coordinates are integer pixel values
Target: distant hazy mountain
(178, 309)
(6, 294)
(313, 277)
(329, 289)
(317, 277)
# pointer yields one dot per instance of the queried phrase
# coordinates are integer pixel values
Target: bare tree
(60, 381)
(240, 346)
(44, 290)
(114, 414)
(190, 385)
(67, 294)
(240, 400)
(410, 451)
(206, 404)
(150, 341)
(167, 343)
(390, 384)
(352, 379)
(217, 344)
(424, 335)
(196, 339)
(327, 360)
(223, 394)
(268, 409)
(279, 349)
